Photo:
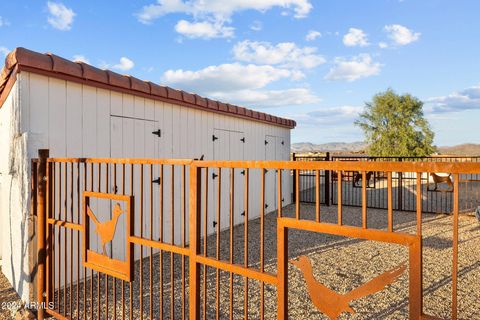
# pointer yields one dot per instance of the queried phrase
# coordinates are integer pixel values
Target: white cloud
(204, 30)
(269, 98)
(312, 35)
(328, 116)
(285, 54)
(125, 64)
(4, 51)
(360, 66)
(256, 25)
(210, 16)
(401, 35)
(60, 17)
(241, 84)
(355, 37)
(220, 9)
(225, 77)
(467, 99)
(4, 22)
(80, 58)
(383, 45)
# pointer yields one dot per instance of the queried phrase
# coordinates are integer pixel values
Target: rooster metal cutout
(332, 303)
(106, 230)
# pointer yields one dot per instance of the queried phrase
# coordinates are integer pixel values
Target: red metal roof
(55, 66)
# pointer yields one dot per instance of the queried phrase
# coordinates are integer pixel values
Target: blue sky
(317, 62)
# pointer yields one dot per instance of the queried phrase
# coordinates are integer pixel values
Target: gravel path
(8, 298)
(341, 264)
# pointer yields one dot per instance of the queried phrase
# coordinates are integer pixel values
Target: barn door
(270, 175)
(228, 145)
(221, 151)
(133, 138)
(237, 153)
(282, 153)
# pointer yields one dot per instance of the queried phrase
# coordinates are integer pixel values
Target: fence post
(294, 189)
(327, 182)
(399, 191)
(43, 155)
(194, 239)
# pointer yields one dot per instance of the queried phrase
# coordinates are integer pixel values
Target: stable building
(78, 111)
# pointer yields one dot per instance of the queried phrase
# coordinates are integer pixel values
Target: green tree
(394, 125)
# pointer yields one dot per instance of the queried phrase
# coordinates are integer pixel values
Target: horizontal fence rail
(176, 239)
(438, 196)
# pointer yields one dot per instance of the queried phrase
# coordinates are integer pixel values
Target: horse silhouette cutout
(332, 303)
(106, 230)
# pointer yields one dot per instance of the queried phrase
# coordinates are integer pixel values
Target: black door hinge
(243, 139)
(157, 133)
(214, 138)
(157, 181)
(214, 175)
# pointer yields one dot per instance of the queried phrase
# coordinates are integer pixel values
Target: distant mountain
(467, 149)
(303, 147)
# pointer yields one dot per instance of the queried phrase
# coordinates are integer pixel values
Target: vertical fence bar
(219, 209)
(232, 223)
(279, 191)
(43, 155)
(400, 189)
(160, 254)
(317, 195)
(172, 234)
(65, 241)
(297, 193)
(262, 241)
(245, 244)
(389, 202)
(131, 282)
(71, 239)
(151, 238)
(419, 272)
(339, 196)
(455, 248)
(364, 200)
(282, 274)
(195, 225)
(182, 227)
(327, 181)
(205, 246)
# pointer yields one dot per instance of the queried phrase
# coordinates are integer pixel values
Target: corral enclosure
(436, 198)
(246, 269)
(76, 110)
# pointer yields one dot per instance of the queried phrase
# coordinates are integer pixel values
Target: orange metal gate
(161, 239)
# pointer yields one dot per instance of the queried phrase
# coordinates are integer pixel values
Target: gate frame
(413, 242)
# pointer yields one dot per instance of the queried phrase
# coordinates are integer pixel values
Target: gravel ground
(341, 264)
(8, 298)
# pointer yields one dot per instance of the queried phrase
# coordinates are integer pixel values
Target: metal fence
(131, 238)
(437, 195)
